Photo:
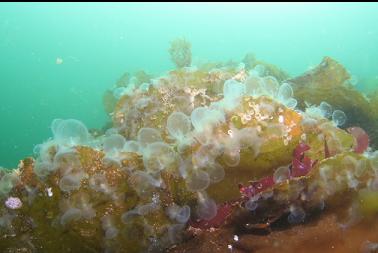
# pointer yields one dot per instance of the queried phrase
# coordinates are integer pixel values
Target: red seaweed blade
(361, 137)
(223, 212)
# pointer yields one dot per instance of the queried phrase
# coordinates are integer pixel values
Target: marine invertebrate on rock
(13, 203)
(69, 132)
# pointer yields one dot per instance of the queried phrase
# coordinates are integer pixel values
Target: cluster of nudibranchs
(177, 146)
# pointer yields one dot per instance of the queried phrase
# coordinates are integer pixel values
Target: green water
(98, 42)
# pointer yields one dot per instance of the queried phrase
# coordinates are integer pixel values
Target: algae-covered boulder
(226, 146)
(329, 82)
(335, 205)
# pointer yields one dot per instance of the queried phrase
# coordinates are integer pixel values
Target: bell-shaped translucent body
(254, 85)
(113, 143)
(232, 92)
(42, 168)
(231, 157)
(285, 92)
(131, 146)
(258, 70)
(70, 182)
(206, 208)
(158, 156)
(326, 109)
(148, 135)
(143, 183)
(178, 125)
(198, 180)
(204, 118)
(338, 117)
(281, 174)
(67, 161)
(72, 214)
(285, 95)
(297, 215)
(215, 171)
(69, 132)
(271, 85)
(251, 204)
(180, 214)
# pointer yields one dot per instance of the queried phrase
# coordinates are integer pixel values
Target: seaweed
(330, 82)
(181, 52)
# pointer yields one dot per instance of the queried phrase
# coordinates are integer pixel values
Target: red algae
(256, 187)
(361, 137)
(301, 164)
(223, 212)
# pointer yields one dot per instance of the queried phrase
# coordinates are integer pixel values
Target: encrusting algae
(198, 155)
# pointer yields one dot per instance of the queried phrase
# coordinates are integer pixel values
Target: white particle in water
(59, 61)
(230, 132)
(49, 192)
(281, 119)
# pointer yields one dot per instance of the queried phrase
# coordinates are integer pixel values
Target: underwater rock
(329, 73)
(318, 208)
(323, 234)
(192, 156)
(242, 129)
(330, 82)
(49, 213)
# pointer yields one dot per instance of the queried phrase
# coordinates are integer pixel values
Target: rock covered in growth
(90, 196)
(177, 148)
(330, 82)
(247, 132)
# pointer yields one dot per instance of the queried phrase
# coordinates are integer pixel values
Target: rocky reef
(223, 157)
